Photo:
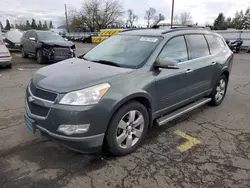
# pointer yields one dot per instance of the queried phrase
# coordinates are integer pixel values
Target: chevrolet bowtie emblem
(30, 99)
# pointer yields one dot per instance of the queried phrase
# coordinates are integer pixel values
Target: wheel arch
(143, 98)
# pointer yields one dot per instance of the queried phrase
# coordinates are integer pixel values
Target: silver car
(5, 57)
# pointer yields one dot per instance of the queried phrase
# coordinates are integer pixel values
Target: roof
(161, 31)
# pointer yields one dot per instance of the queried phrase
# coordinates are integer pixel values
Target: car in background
(5, 57)
(12, 39)
(46, 46)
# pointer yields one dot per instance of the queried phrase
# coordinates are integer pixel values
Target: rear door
(219, 53)
(25, 41)
(200, 64)
(32, 44)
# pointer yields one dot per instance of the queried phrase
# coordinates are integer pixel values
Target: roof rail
(182, 28)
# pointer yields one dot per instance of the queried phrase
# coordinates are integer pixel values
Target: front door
(172, 84)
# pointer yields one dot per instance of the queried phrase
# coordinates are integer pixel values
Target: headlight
(87, 96)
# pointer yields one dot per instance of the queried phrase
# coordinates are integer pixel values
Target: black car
(46, 46)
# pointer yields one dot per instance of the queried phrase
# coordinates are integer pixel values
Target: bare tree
(150, 15)
(185, 18)
(176, 19)
(97, 14)
(159, 18)
(131, 18)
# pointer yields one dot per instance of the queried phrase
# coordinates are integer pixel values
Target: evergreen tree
(1, 26)
(40, 26)
(45, 26)
(27, 27)
(51, 25)
(33, 24)
(12, 26)
(237, 22)
(7, 27)
(220, 23)
(246, 19)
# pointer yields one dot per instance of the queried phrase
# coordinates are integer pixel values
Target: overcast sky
(202, 11)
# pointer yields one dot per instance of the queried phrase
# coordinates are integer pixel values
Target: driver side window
(175, 49)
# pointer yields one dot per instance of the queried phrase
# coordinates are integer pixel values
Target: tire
(39, 56)
(219, 91)
(24, 55)
(131, 141)
(9, 66)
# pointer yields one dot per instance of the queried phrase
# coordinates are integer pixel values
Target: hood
(74, 74)
(58, 43)
(4, 51)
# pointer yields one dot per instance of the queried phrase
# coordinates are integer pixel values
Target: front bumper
(89, 142)
(5, 60)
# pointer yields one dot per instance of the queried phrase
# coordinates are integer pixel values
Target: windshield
(49, 36)
(125, 51)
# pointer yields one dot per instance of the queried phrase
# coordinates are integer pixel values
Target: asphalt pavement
(209, 147)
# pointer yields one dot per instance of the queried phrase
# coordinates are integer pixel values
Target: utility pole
(172, 14)
(66, 16)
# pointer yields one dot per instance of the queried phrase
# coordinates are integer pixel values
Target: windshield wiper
(107, 63)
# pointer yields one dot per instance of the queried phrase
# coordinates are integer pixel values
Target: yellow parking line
(187, 145)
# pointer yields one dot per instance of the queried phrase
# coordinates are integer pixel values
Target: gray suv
(109, 97)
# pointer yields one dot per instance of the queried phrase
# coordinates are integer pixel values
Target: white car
(5, 57)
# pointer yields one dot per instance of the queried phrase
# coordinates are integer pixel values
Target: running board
(169, 117)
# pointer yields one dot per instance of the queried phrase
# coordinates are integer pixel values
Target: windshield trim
(130, 66)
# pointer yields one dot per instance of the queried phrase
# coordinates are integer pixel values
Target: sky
(202, 11)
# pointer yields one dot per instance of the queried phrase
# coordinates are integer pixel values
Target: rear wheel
(127, 129)
(24, 55)
(219, 91)
(39, 56)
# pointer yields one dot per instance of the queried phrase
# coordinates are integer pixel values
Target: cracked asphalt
(222, 159)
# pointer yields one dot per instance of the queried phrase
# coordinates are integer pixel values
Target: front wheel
(127, 129)
(219, 91)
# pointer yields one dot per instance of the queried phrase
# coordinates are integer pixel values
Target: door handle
(189, 70)
(214, 63)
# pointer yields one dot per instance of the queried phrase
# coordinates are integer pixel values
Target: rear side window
(197, 46)
(175, 49)
(27, 34)
(215, 43)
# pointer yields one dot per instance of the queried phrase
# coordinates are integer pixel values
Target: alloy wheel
(130, 129)
(221, 88)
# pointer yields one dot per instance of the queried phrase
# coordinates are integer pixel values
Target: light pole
(172, 14)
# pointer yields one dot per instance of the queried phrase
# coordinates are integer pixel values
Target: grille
(62, 51)
(42, 94)
(38, 110)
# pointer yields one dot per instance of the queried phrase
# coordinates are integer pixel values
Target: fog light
(73, 129)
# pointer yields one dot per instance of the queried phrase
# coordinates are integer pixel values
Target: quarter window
(197, 46)
(175, 49)
(215, 43)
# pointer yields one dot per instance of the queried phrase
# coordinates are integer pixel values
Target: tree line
(96, 14)
(33, 25)
(241, 20)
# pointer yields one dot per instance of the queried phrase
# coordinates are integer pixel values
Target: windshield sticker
(146, 39)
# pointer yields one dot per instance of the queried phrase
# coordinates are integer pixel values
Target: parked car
(5, 57)
(46, 46)
(13, 39)
(109, 97)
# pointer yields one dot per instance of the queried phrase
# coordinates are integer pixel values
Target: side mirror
(167, 64)
(32, 39)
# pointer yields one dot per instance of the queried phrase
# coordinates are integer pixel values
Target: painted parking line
(188, 144)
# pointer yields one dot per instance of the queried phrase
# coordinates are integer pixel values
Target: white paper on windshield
(148, 39)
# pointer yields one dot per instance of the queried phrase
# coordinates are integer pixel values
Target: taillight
(232, 53)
